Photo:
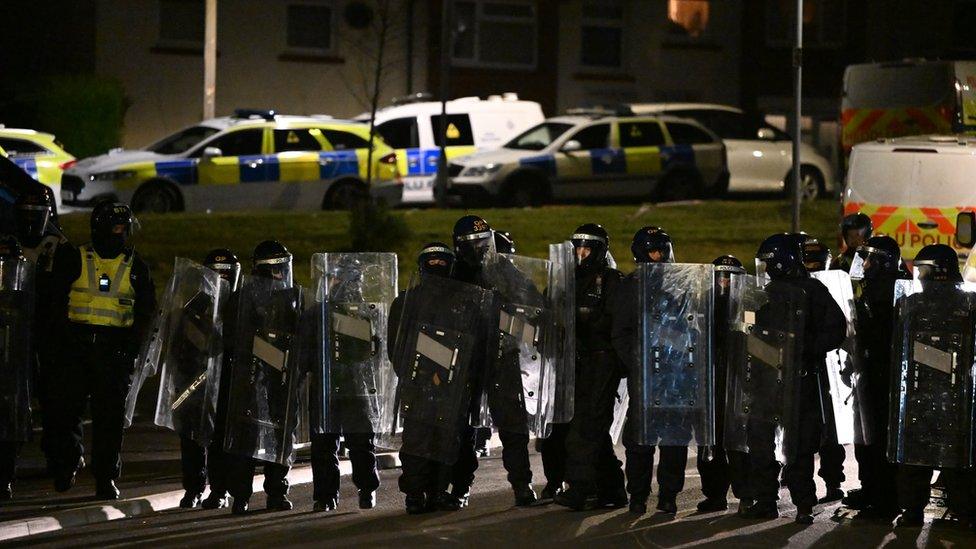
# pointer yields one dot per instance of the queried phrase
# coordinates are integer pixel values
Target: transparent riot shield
(351, 372)
(267, 378)
(674, 379)
(765, 353)
(439, 328)
(840, 362)
(562, 302)
(620, 405)
(517, 398)
(191, 350)
(16, 326)
(931, 421)
(147, 363)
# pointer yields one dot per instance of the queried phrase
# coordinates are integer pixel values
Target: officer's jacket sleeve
(827, 321)
(623, 322)
(392, 328)
(145, 290)
(66, 269)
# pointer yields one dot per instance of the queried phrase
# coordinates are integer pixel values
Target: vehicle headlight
(113, 176)
(481, 171)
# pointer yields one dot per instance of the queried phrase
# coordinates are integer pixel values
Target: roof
(18, 132)
(224, 122)
(965, 144)
(652, 108)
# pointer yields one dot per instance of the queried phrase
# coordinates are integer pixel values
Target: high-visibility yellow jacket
(103, 295)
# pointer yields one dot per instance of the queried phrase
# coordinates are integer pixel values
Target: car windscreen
(538, 137)
(182, 141)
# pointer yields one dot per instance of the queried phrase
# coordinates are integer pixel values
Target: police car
(595, 155)
(253, 159)
(37, 153)
(412, 125)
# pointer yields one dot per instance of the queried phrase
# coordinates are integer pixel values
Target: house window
(823, 23)
(688, 18)
(601, 35)
(181, 22)
(310, 27)
(494, 34)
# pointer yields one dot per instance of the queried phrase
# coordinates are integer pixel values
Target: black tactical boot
(667, 505)
(278, 503)
(326, 505)
(834, 493)
(367, 499)
(239, 507)
(576, 499)
(190, 500)
(711, 505)
(524, 495)
(417, 504)
(759, 510)
(214, 501)
(105, 489)
(804, 514)
(910, 518)
(856, 499)
(638, 506)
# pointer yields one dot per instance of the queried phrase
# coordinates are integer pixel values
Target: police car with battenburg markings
(595, 154)
(253, 159)
(39, 154)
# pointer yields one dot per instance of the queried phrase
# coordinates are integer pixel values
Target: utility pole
(447, 40)
(210, 59)
(797, 100)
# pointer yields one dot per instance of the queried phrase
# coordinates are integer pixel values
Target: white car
(760, 157)
(412, 123)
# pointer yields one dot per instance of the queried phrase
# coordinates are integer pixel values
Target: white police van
(411, 124)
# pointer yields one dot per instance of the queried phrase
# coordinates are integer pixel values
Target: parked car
(37, 153)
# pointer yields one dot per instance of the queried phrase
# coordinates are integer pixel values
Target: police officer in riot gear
(855, 229)
(473, 241)
(16, 342)
(592, 470)
(720, 468)
(650, 245)
(816, 257)
(200, 464)
(824, 330)
(937, 315)
(881, 260)
(111, 301)
(271, 260)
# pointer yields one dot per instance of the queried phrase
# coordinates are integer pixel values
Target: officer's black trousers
(763, 469)
(591, 464)
(240, 477)
(9, 449)
(798, 472)
(554, 453)
(719, 469)
(325, 463)
(421, 475)
(515, 457)
(193, 462)
(832, 456)
(96, 368)
(640, 464)
(878, 476)
(217, 463)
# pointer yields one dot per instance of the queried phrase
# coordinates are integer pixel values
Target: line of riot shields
(336, 357)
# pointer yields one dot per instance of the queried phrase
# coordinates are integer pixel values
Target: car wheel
(680, 185)
(811, 184)
(155, 198)
(345, 196)
(523, 191)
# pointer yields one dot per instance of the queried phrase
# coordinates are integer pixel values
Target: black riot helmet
(225, 264)
(592, 242)
(650, 240)
(879, 255)
(34, 211)
(272, 260)
(725, 267)
(781, 256)
(816, 255)
(855, 229)
(10, 248)
(473, 240)
(111, 227)
(436, 258)
(937, 262)
(504, 243)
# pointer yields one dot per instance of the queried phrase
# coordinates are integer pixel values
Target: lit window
(181, 22)
(309, 27)
(494, 34)
(688, 17)
(601, 34)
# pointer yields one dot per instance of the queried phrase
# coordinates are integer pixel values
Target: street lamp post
(447, 40)
(210, 59)
(797, 100)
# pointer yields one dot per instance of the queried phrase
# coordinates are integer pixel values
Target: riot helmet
(652, 245)
(879, 255)
(780, 256)
(855, 229)
(436, 258)
(473, 240)
(591, 243)
(504, 243)
(272, 260)
(111, 227)
(226, 265)
(10, 248)
(816, 255)
(937, 262)
(725, 267)
(34, 214)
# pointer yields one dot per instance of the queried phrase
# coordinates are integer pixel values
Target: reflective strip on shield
(357, 328)
(269, 354)
(932, 357)
(766, 353)
(517, 327)
(438, 353)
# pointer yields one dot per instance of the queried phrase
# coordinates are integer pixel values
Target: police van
(412, 124)
(253, 159)
(39, 154)
(913, 188)
(595, 155)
